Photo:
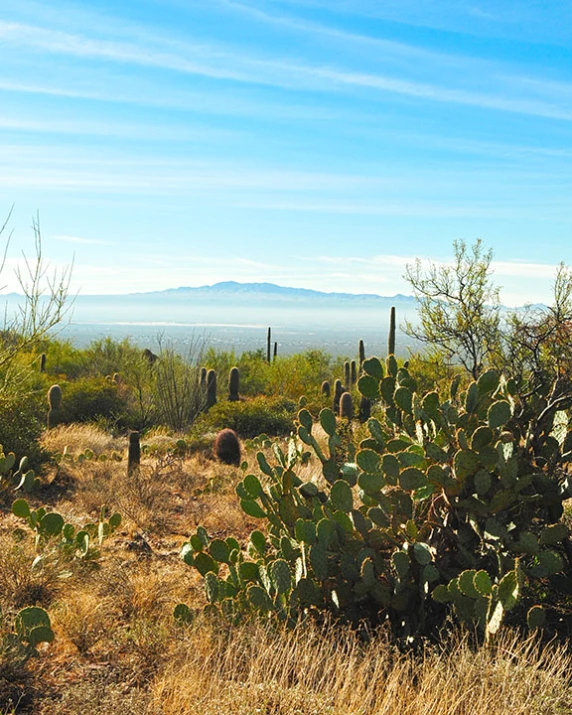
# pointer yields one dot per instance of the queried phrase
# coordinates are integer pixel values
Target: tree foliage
(458, 306)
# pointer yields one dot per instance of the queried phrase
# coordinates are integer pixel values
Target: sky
(321, 144)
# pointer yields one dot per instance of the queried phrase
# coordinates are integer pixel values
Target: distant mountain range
(226, 287)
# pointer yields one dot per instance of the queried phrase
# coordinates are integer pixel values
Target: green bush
(22, 419)
(249, 418)
(91, 398)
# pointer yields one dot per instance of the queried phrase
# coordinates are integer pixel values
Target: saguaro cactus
(364, 409)
(346, 406)
(211, 388)
(203, 378)
(338, 390)
(347, 371)
(233, 381)
(353, 371)
(361, 350)
(325, 388)
(133, 453)
(391, 335)
(43, 362)
(268, 344)
(55, 403)
(275, 350)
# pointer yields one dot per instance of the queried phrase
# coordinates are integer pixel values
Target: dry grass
(118, 647)
(328, 672)
(76, 438)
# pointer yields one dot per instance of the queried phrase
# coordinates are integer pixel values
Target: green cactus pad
(328, 421)
(373, 367)
(211, 587)
(482, 583)
(258, 597)
(412, 478)
(488, 382)
(422, 553)
(368, 461)
(280, 576)
(441, 594)
(52, 523)
(483, 482)
(536, 617)
(403, 398)
(387, 389)
(499, 414)
(252, 508)
(319, 561)
(371, 483)
(305, 531)
(21, 508)
(368, 387)
(219, 550)
(204, 563)
(552, 534)
(252, 486)
(249, 571)
(341, 496)
(400, 561)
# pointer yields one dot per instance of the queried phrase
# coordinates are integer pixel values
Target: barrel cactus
(227, 447)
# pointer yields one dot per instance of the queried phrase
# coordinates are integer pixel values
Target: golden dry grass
(118, 647)
(330, 672)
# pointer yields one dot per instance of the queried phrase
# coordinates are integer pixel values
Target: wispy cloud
(221, 63)
(81, 240)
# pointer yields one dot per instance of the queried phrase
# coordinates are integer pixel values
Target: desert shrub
(90, 398)
(249, 418)
(22, 418)
(62, 358)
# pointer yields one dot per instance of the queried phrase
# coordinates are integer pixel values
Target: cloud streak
(220, 63)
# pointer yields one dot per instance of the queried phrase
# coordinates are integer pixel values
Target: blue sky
(312, 143)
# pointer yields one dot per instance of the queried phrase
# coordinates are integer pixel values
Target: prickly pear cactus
(450, 504)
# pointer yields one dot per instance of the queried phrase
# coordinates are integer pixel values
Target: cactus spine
(233, 381)
(55, 403)
(133, 453)
(391, 335)
(211, 388)
(346, 406)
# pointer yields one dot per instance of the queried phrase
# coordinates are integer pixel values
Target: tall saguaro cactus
(55, 403)
(233, 382)
(211, 388)
(133, 453)
(391, 335)
(268, 345)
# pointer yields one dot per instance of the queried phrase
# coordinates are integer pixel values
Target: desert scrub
(249, 418)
